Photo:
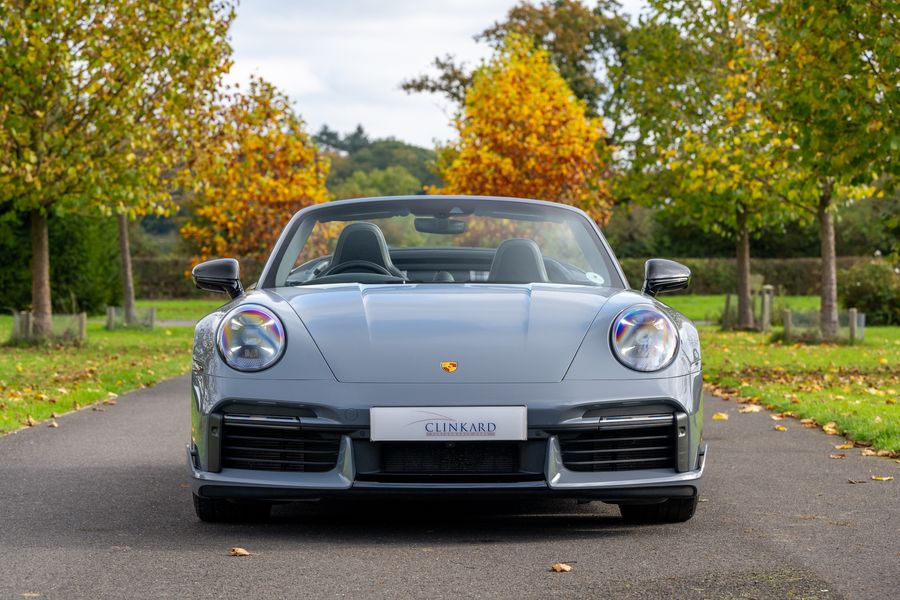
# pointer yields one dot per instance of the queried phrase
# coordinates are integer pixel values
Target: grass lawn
(854, 388)
(710, 307)
(189, 309)
(39, 382)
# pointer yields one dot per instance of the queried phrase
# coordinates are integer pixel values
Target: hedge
(85, 270)
(167, 277)
(792, 276)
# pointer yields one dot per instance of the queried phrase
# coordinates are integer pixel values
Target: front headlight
(643, 338)
(251, 338)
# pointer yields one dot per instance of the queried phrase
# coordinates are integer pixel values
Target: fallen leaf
(885, 453)
(31, 595)
(750, 408)
(237, 551)
(776, 417)
(720, 416)
(882, 478)
(54, 415)
(30, 422)
(560, 567)
(780, 428)
(868, 452)
(845, 446)
(830, 428)
(53, 424)
(841, 455)
(855, 481)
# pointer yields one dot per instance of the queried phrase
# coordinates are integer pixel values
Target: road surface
(100, 508)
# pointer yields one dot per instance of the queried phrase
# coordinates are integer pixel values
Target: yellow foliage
(260, 169)
(522, 133)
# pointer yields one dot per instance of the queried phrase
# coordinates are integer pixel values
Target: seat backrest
(518, 260)
(363, 241)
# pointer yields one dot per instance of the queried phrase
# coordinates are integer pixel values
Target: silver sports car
(449, 345)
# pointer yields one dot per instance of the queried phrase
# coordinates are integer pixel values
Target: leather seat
(518, 260)
(363, 241)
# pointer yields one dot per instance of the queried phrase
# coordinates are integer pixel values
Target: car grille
(621, 448)
(273, 444)
(452, 458)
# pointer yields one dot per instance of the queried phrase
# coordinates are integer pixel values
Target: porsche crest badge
(449, 365)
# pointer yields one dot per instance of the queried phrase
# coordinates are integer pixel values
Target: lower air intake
(629, 448)
(276, 444)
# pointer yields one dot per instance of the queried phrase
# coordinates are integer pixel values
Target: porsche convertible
(445, 345)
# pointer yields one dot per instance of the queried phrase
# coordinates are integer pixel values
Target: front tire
(215, 510)
(673, 510)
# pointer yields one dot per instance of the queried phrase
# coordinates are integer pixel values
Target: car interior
(362, 255)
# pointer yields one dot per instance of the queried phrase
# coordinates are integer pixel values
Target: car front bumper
(556, 412)
(634, 486)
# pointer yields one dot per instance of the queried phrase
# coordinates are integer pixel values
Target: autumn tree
(259, 168)
(582, 42)
(703, 150)
(523, 133)
(833, 81)
(96, 100)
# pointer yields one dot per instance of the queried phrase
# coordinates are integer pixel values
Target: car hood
(494, 333)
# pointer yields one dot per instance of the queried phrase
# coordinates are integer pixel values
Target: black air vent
(453, 458)
(276, 445)
(629, 448)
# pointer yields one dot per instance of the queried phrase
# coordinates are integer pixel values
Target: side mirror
(661, 276)
(219, 275)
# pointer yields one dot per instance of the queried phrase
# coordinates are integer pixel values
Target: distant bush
(85, 273)
(167, 277)
(872, 287)
(790, 276)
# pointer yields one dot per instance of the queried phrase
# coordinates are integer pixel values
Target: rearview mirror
(219, 275)
(662, 276)
(439, 226)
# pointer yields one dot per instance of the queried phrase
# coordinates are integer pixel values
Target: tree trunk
(745, 301)
(127, 278)
(828, 319)
(40, 277)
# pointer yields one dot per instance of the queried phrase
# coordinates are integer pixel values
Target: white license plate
(443, 423)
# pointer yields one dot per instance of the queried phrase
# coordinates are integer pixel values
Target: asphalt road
(99, 508)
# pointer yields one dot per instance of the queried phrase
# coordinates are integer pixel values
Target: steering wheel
(356, 264)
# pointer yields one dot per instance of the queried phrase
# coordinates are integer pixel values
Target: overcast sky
(342, 61)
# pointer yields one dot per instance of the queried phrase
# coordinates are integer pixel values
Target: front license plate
(442, 423)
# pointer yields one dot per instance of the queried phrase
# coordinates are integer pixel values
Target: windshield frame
(372, 207)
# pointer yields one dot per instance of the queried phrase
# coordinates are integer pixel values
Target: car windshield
(442, 240)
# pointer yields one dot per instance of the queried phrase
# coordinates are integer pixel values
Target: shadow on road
(427, 520)
(150, 506)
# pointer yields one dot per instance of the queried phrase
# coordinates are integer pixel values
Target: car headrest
(518, 260)
(363, 241)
